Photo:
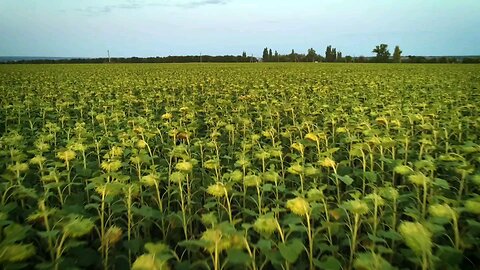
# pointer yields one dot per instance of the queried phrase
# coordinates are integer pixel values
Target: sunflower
(298, 206)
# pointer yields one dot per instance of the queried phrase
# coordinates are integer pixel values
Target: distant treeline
(382, 52)
(441, 60)
(240, 59)
(167, 59)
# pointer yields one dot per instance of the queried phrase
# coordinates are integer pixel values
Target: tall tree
(244, 54)
(339, 57)
(276, 56)
(311, 54)
(265, 55)
(334, 55)
(397, 55)
(382, 53)
(270, 55)
(328, 53)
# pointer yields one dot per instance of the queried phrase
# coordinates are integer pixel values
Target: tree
(339, 57)
(397, 55)
(328, 54)
(311, 54)
(270, 55)
(265, 55)
(382, 53)
(244, 54)
(276, 56)
(331, 54)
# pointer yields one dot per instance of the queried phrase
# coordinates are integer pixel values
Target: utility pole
(108, 53)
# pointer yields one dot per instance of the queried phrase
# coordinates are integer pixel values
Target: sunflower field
(240, 166)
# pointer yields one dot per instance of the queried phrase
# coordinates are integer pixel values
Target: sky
(88, 28)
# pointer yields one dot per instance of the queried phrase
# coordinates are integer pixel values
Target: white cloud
(133, 4)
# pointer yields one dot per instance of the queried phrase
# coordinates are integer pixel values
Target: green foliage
(382, 53)
(397, 55)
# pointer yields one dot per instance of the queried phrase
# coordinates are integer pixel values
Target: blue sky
(88, 28)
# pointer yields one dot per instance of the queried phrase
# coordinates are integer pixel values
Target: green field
(239, 166)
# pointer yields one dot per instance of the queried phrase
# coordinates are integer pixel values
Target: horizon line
(180, 55)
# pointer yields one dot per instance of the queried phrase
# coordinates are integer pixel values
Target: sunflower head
(184, 166)
(311, 137)
(389, 193)
(328, 163)
(403, 170)
(38, 160)
(209, 219)
(298, 206)
(473, 206)
(167, 116)
(419, 179)
(375, 198)
(177, 177)
(270, 176)
(78, 226)
(296, 169)
(252, 180)
(141, 144)
(211, 164)
(266, 224)
(149, 180)
(441, 210)
(20, 167)
(66, 155)
(218, 190)
(16, 252)
(262, 155)
(416, 236)
(212, 237)
(115, 152)
(149, 262)
(111, 166)
(298, 146)
(356, 207)
(315, 194)
(236, 176)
